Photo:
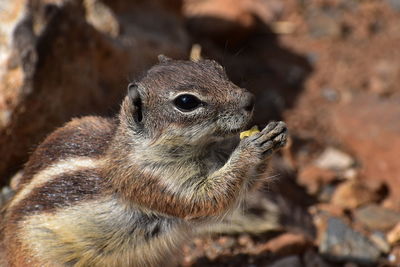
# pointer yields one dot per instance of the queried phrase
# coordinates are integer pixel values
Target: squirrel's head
(186, 101)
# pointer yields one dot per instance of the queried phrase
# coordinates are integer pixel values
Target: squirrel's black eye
(187, 102)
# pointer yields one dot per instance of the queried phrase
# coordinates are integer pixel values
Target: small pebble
(379, 239)
(334, 159)
(394, 235)
(353, 194)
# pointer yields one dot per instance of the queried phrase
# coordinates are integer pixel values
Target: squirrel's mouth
(228, 132)
(231, 124)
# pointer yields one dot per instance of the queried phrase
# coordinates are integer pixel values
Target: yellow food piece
(250, 132)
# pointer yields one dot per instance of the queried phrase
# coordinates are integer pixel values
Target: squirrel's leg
(219, 191)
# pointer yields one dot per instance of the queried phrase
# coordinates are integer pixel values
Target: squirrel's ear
(163, 58)
(136, 101)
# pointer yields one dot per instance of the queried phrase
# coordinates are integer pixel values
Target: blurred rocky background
(329, 68)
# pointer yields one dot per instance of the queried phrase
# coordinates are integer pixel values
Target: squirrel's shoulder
(86, 137)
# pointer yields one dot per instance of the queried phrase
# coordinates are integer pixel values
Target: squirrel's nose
(249, 102)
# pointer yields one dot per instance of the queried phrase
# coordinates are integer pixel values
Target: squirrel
(129, 190)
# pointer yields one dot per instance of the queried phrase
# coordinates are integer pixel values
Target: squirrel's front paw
(270, 139)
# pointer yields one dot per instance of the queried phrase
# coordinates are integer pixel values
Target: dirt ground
(329, 68)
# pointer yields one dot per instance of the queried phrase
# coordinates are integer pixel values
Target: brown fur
(80, 137)
(127, 192)
(63, 191)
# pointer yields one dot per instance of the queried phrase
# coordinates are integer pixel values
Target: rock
(15, 180)
(214, 251)
(334, 159)
(58, 60)
(350, 174)
(245, 240)
(283, 27)
(5, 194)
(226, 242)
(12, 80)
(383, 79)
(102, 17)
(341, 243)
(379, 239)
(326, 193)
(327, 208)
(313, 178)
(394, 256)
(394, 235)
(323, 24)
(368, 126)
(313, 259)
(352, 194)
(376, 217)
(291, 261)
(330, 94)
(285, 244)
(192, 251)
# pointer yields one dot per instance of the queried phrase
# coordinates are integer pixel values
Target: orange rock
(352, 194)
(313, 177)
(394, 235)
